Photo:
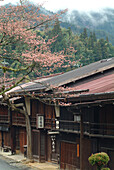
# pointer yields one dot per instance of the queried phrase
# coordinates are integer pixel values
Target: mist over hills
(101, 22)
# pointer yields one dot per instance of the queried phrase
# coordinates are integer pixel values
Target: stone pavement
(22, 159)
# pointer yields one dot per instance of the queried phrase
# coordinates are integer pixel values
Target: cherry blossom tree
(18, 25)
(17, 29)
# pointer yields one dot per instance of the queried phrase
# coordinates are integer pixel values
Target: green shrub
(99, 159)
(105, 169)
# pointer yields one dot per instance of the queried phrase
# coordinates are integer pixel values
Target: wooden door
(42, 146)
(48, 148)
(38, 145)
(35, 143)
(68, 156)
(22, 139)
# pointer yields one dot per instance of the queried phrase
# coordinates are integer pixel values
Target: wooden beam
(19, 105)
(81, 142)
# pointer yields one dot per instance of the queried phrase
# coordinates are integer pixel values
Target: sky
(81, 5)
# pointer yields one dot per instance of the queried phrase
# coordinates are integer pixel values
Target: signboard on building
(40, 121)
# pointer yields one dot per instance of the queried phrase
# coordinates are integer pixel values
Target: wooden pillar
(81, 142)
(39, 146)
(13, 139)
(2, 139)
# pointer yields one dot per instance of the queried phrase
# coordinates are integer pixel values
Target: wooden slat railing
(89, 128)
(50, 123)
(19, 121)
(4, 119)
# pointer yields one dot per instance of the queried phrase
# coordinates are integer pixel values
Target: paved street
(7, 164)
(19, 162)
(4, 165)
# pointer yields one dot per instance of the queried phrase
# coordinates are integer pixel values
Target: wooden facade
(42, 141)
(98, 135)
(12, 130)
(5, 139)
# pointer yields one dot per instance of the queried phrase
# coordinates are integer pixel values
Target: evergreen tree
(91, 41)
(85, 33)
(94, 37)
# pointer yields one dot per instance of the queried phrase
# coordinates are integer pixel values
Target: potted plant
(99, 159)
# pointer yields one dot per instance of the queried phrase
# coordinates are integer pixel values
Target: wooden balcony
(4, 119)
(99, 129)
(90, 129)
(19, 121)
(33, 121)
(50, 123)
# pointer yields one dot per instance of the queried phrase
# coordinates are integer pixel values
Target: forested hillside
(89, 48)
(101, 22)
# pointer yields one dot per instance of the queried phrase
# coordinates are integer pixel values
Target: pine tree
(91, 41)
(85, 33)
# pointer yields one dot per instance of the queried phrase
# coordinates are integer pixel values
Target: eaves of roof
(66, 78)
(81, 73)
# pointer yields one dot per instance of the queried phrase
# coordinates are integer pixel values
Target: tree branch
(6, 90)
(14, 70)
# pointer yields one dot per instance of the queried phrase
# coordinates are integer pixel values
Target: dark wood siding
(107, 145)
(42, 153)
(35, 143)
(18, 119)
(4, 117)
(7, 139)
(34, 108)
(22, 139)
(48, 148)
(87, 151)
(111, 162)
(37, 107)
(38, 145)
(0, 138)
(42, 146)
(68, 156)
(107, 118)
(49, 117)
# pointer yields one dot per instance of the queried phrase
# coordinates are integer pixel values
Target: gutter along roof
(68, 77)
(93, 103)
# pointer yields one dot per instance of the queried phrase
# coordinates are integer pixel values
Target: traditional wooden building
(4, 126)
(68, 134)
(87, 126)
(12, 129)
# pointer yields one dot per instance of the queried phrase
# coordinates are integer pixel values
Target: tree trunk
(29, 137)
